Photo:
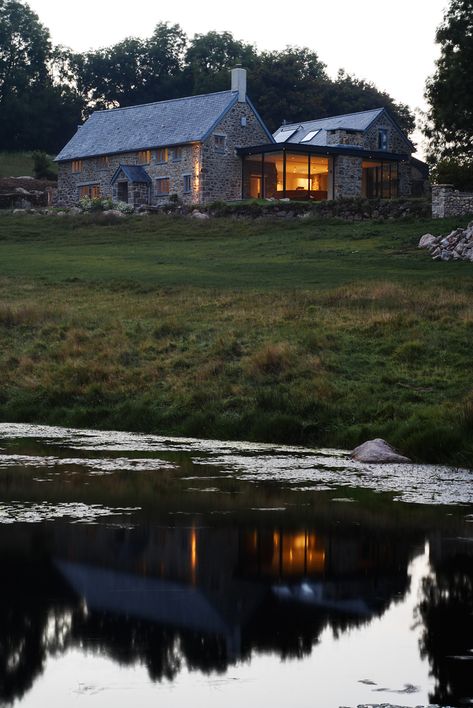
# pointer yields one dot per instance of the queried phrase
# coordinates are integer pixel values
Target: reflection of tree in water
(32, 606)
(446, 610)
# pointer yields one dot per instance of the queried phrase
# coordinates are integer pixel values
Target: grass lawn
(291, 331)
(16, 164)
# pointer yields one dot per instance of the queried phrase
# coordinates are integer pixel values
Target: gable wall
(396, 142)
(221, 173)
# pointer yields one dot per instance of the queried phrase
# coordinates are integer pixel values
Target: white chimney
(239, 83)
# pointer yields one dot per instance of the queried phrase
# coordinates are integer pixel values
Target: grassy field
(16, 164)
(290, 331)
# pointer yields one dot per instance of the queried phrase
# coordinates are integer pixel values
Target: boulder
(377, 450)
(20, 211)
(426, 241)
(75, 211)
(116, 213)
(199, 215)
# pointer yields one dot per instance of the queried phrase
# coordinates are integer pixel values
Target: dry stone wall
(446, 201)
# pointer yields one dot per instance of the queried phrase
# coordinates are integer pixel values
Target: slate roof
(153, 125)
(133, 173)
(360, 121)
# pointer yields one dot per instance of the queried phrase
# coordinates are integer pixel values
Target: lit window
(382, 139)
(307, 138)
(176, 154)
(219, 141)
(77, 166)
(187, 184)
(162, 186)
(90, 190)
(162, 155)
(103, 161)
(144, 157)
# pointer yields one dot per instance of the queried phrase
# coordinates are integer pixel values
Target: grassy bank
(301, 332)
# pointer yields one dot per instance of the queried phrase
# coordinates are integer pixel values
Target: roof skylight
(284, 135)
(307, 138)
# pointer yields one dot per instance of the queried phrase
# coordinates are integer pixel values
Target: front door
(122, 192)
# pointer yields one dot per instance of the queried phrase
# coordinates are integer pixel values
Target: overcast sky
(390, 44)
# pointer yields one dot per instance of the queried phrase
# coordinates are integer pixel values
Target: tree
(450, 90)
(211, 56)
(38, 108)
(25, 48)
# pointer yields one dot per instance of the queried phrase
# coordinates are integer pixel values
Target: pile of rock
(456, 246)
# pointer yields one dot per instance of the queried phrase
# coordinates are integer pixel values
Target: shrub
(43, 166)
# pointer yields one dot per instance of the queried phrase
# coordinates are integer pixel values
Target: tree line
(47, 90)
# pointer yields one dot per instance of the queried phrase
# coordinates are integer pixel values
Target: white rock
(75, 210)
(377, 450)
(20, 190)
(115, 212)
(199, 215)
(426, 241)
(20, 211)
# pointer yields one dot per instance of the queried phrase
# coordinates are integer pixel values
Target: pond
(147, 570)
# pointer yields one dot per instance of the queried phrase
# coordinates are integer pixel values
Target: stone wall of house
(446, 201)
(396, 141)
(345, 137)
(221, 172)
(93, 172)
(347, 176)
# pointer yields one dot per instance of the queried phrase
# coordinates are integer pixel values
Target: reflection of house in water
(215, 580)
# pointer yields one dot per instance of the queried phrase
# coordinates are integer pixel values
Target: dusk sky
(391, 45)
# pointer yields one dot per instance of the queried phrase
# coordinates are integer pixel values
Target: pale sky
(390, 44)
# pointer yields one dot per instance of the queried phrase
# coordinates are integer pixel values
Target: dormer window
(383, 139)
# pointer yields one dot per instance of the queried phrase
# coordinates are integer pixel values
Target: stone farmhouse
(216, 147)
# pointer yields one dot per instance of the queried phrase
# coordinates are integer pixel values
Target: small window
(144, 157)
(77, 166)
(307, 138)
(382, 139)
(103, 161)
(187, 184)
(162, 155)
(90, 190)
(162, 186)
(176, 154)
(219, 141)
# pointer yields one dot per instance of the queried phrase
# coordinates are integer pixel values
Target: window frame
(77, 167)
(103, 162)
(91, 190)
(187, 178)
(221, 148)
(383, 139)
(165, 152)
(160, 193)
(176, 153)
(144, 154)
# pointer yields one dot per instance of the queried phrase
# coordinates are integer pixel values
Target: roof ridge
(166, 100)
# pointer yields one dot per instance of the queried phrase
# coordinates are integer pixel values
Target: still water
(150, 571)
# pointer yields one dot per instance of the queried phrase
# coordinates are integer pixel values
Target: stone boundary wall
(447, 201)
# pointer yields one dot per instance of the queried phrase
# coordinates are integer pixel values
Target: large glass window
(318, 175)
(252, 177)
(380, 179)
(273, 187)
(289, 175)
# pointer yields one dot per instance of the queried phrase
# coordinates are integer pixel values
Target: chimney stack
(239, 82)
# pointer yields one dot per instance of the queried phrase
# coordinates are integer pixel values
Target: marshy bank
(303, 332)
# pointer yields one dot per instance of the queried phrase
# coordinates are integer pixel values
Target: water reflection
(200, 597)
(446, 611)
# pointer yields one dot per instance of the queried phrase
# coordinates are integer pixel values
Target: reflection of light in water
(194, 555)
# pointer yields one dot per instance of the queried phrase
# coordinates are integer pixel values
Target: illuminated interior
(283, 554)
(287, 175)
(380, 179)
